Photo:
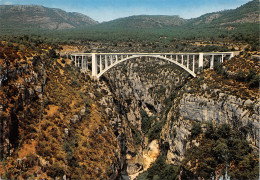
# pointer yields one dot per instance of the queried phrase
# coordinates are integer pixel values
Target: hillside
(50, 126)
(21, 17)
(240, 24)
(247, 13)
(144, 21)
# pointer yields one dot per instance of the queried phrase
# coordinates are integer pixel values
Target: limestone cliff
(214, 98)
(141, 88)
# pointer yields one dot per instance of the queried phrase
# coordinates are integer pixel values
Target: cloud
(8, 3)
(3, 2)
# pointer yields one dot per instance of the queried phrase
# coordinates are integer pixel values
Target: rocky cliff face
(21, 86)
(225, 109)
(212, 98)
(142, 86)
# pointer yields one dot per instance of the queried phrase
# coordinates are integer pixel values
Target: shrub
(196, 130)
(56, 170)
(161, 170)
(52, 53)
(224, 131)
(136, 136)
(146, 121)
(253, 79)
(154, 133)
(63, 61)
(241, 76)
(75, 84)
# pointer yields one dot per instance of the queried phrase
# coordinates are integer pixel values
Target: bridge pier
(188, 59)
(94, 65)
(106, 63)
(212, 62)
(201, 60)
(193, 63)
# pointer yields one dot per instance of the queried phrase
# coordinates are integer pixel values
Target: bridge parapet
(190, 62)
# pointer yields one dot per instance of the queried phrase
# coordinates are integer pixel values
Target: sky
(106, 10)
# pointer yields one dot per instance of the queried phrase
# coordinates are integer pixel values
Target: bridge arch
(138, 56)
(190, 62)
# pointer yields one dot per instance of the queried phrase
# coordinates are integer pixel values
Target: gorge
(181, 102)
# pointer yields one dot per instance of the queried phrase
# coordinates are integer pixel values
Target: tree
(52, 53)
(196, 130)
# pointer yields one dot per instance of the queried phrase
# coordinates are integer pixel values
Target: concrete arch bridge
(100, 63)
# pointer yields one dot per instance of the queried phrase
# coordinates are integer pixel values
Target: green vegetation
(160, 170)
(251, 78)
(146, 121)
(229, 26)
(155, 131)
(221, 148)
(196, 130)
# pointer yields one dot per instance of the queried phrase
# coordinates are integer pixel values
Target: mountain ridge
(35, 16)
(247, 13)
(145, 21)
(76, 26)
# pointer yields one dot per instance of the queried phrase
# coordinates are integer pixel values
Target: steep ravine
(140, 89)
(177, 102)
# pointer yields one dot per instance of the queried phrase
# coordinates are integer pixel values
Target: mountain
(39, 17)
(247, 13)
(22, 19)
(144, 21)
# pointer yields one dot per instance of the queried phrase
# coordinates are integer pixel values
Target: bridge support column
(72, 59)
(111, 59)
(106, 61)
(193, 64)
(86, 63)
(222, 58)
(75, 61)
(212, 62)
(82, 62)
(182, 59)
(201, 60)
(100, 63)
(176, 58)
(94, 65)
(116, 58)
(188, 59)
